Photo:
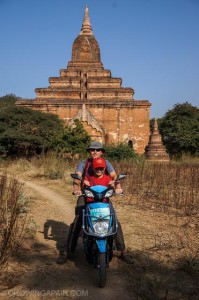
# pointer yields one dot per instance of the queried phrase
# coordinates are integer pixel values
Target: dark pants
(75, 228)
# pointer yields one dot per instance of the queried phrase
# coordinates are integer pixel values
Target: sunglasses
(93, 150)
(99, 169)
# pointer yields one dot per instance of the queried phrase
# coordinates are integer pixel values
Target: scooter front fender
(101, 245)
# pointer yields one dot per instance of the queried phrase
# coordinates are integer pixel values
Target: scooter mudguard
(101, 245)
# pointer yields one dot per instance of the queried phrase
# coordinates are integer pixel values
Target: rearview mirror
(76, 176)
(121, 176)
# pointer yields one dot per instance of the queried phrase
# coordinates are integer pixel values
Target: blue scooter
(99, 224)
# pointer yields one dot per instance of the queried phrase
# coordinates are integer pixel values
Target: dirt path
(38, 275)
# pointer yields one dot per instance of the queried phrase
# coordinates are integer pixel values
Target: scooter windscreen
(98, 188)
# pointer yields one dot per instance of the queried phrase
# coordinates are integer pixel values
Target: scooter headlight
(89, 194)
(109, 194)
(101, 227)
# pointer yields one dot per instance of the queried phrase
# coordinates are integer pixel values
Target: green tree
(119, 152)
(180, 130)
(7, 101)
(24, 131)
(73, 139)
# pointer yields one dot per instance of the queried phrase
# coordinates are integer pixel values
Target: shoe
(61, 259)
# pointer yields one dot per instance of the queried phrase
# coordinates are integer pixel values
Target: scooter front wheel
(101, 270)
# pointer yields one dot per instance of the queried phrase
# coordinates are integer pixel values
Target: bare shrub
(12, 217)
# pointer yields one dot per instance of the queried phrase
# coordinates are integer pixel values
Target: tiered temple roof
(85, 78)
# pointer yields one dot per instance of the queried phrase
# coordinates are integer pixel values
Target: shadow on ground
(56, 231)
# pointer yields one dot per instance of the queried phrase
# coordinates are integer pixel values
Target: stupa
(155, 150)
(88, 92)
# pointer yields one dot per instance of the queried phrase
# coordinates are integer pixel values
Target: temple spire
(86, 25)
(155, 126)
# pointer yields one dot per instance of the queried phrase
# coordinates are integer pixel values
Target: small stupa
(155, 150)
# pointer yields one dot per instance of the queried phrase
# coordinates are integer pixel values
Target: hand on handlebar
(77, 192)
(119, 191)
(87, 183)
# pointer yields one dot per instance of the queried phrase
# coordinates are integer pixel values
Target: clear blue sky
(153, 45)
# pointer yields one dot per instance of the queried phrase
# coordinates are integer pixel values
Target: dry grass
(160, 218)
(51, 166)
(164, 186)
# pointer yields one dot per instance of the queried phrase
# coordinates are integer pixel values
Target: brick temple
(88, 92)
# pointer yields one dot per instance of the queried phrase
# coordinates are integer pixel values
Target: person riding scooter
(85, 169)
